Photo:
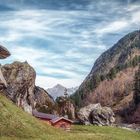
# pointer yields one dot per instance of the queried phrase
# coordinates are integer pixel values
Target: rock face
(3, 82)
(4, 53)
(43, 101)
(96, 114)
(111, 79)
(65, 107)
(20, 78)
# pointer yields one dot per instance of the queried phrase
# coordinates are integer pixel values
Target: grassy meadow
(15, 124)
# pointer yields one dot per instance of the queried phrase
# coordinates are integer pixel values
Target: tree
(103, 77)
(96, 80)
(135, 61)
(137, 87)
(112, 73)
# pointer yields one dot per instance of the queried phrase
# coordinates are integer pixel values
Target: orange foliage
(112, 92)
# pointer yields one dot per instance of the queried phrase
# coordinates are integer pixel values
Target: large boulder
(102, 116)
(96, 114)
(20, 78)
(4, 53)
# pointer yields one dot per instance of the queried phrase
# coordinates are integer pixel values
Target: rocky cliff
(43, 101)
(65, 107)
(21, 89)
(111, 79)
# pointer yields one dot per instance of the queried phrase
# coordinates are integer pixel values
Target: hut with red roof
(54, 120)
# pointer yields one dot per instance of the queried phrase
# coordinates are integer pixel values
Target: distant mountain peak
(59, 90)
(58, 85)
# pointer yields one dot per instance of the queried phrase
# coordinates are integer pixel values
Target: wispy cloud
(112, 27)
(62, 40)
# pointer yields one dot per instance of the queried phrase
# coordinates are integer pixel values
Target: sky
(61, 39)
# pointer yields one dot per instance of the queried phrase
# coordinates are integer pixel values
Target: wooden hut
(56, 121)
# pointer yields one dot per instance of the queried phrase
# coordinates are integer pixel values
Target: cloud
(135, 17)
(112, 27)
(62, 45)
(48, 82)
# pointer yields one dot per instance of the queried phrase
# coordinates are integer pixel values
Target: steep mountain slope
(124, 50)
(110, 81)
(59, 90)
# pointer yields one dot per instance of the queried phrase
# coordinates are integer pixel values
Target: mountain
(58, 90)
(111, 79)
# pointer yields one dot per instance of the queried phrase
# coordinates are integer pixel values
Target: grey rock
(66, 107)
(21, 89)
(3, 82)
(102, 116)
(43, 101)
(4, 53)
(96, 114)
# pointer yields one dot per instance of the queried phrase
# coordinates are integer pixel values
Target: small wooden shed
(54, 120)
(62, 122)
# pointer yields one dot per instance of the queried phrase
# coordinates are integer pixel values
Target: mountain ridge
(119, 60)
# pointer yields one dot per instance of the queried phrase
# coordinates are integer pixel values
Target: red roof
(60, 118)
(43, 115)
(53, 118)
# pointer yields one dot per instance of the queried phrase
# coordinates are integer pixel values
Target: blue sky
(62, 39)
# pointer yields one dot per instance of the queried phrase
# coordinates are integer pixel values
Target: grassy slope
(17, 125)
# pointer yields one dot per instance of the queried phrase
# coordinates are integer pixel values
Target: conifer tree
(112, 73)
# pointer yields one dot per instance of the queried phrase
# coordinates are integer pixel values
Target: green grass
(106, 133)
(15, 124)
